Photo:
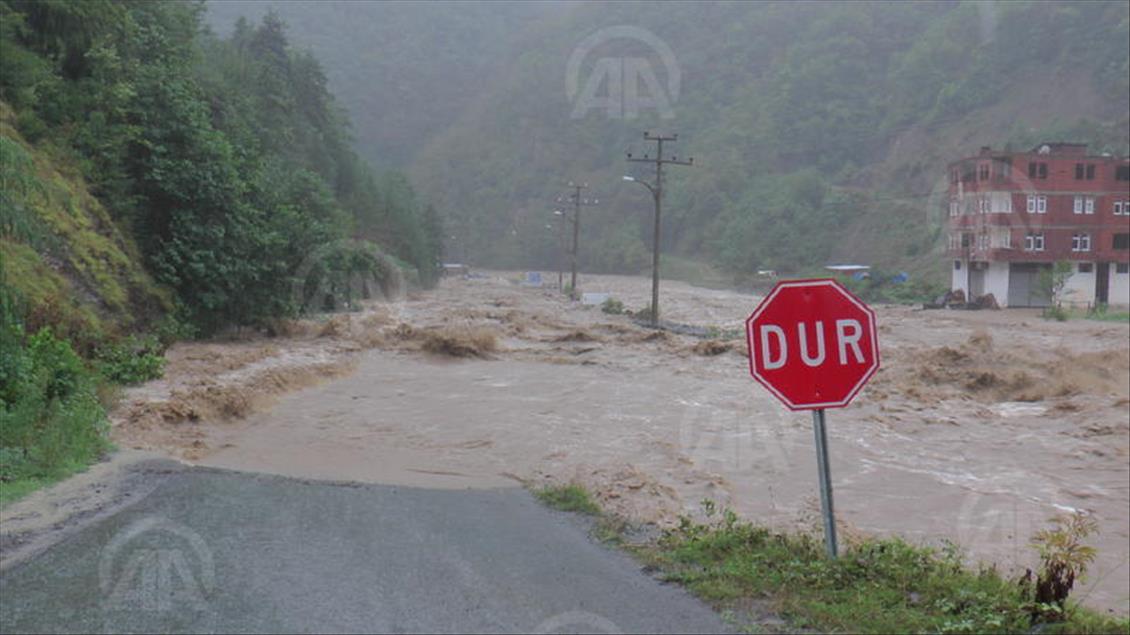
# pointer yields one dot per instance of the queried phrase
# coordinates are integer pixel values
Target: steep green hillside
(62, 252)
(226, 160)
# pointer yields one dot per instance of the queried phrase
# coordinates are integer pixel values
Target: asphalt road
(214, 551)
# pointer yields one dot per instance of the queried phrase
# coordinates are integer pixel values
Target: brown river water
(980, 427)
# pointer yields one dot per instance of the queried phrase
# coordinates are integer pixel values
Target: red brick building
(1013, 214)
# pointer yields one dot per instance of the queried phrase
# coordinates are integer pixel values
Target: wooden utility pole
(561, 249)
(577, 201)
(657, 194)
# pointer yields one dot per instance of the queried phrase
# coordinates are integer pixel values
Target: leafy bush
(1056, 312)
(1063, 560)
(131, 361)
(612, 306)
(51, 421)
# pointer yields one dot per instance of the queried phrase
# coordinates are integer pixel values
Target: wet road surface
(218, 551)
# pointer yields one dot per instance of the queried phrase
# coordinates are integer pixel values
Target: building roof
(1047, 148)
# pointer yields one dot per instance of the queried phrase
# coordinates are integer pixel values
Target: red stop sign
(812, 344)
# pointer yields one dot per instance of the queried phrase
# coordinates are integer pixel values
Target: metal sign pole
(825, 481)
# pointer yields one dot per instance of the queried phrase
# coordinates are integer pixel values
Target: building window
(966, 241)
(1090, 171)
(1081, 242)
(1003, 168)
(1078, 209)
(1031, 204)
(1001, 238)
(1122, 173)
(1120, 242)
(1043, 171)
(957, 265)
(1086, 267)
(1041, 205)
(1079, 171)
(983, 172)
(1034, 242)
(1089, 205)
(1122, 208)
(1118, 208)
(1001, 203)
(982, 241)
(1122, 267)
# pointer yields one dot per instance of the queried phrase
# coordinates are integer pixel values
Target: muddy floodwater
(979, 428)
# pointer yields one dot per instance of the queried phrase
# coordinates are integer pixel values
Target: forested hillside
(157, 181)
(819, 130)
(403, 69)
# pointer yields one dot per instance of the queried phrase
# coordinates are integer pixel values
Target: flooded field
(979, 428)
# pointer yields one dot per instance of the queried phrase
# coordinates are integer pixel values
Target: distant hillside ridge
(820, 130)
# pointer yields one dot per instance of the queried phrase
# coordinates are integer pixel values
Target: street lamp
(657, 196)
(561, 252)
(654, 252)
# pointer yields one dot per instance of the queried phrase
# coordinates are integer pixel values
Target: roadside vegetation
(875, 586)
(52, 422)
(568, 498)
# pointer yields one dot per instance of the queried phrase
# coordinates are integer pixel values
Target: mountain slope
(809, 123)
(819, 129)
(67, 258)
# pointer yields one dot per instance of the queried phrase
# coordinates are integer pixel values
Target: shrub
(131, 361)
(51, 421)
(1057, 313)
(568, 498)
(612, 306)
(1063, 560)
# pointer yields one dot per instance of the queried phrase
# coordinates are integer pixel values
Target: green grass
(568, 498)
(876, 586)
(1104, 315)
(1101, 314)
(13, 490)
